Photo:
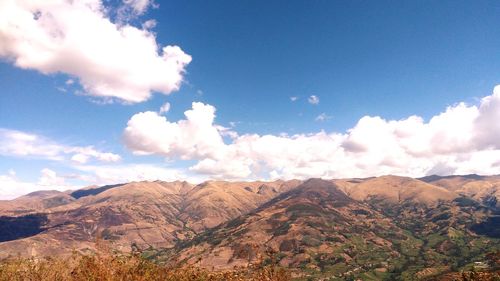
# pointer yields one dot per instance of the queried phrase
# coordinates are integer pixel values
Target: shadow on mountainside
(489, 227)
(432, 178)
(12, 228)
(94, 191)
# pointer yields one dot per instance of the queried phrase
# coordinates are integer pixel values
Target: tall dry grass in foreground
(122, 268)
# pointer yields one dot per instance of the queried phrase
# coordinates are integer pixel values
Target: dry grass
(122, 268)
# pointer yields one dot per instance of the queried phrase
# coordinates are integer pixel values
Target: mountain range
(381, 228)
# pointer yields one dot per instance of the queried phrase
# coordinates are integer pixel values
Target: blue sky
(392, 59)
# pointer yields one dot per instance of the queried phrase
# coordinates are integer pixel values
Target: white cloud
(138, 6)
(488, 121)
(21, 144)
(294, 98)
(165, 108)
(109, 60)
(149, 24)
(50, 178)
(323, 117)
(84, 154)
(313, 99)
(195, 137)
(11, 187)
(112, 174)
(17, 143)
(462, 139)
(226, 132)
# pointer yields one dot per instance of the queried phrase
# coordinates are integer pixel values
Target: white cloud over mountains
(122, 173)
(463, 139)
(11, 186)
(109, 60)
(193, 138)
(50, 178)
(21, 144)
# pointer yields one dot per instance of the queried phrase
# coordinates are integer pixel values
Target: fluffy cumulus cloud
(11, 186)
(110, 60)
(49, 178)
(462, 139)
(196, 137)
(22, 144)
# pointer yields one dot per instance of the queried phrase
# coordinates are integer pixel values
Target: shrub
(123, 268)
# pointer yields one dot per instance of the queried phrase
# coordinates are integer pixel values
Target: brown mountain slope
(378, 227)
(34, 202)
(214, 202)
(311, 226)
(134, 215)
(396, 190)
(318, 231)
(481, 188)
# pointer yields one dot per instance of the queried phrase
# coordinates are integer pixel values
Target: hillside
(483, 189)
(385, 228)
(317, 230)
(131, 216)
(398, 190)
(35, 202)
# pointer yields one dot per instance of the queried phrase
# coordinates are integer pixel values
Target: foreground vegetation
(136, 268)
(123, 268)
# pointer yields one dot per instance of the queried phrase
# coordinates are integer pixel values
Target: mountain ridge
(381, 226)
